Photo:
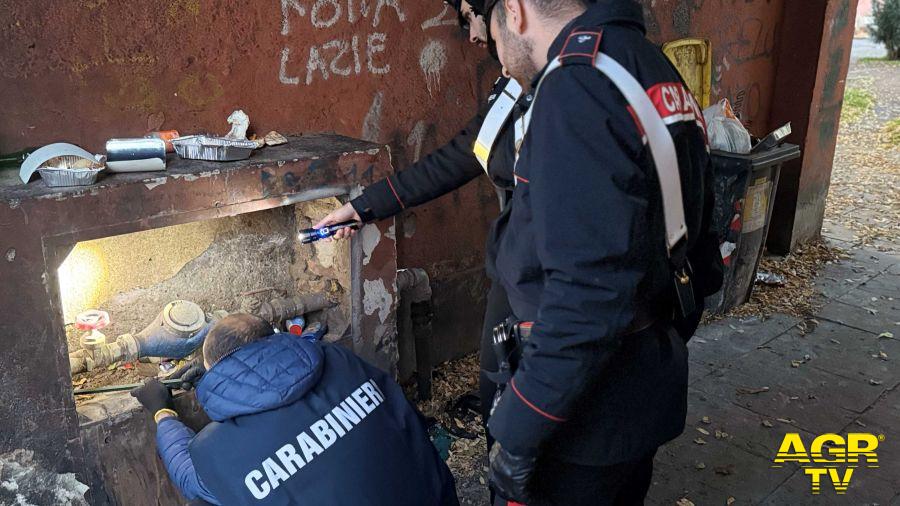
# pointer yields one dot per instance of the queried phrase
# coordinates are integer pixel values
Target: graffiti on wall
(343, 56)
(743, 47)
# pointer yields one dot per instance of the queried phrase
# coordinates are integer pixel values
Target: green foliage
(892, 133)
(880, 60)
(886, 28)
(856, 103)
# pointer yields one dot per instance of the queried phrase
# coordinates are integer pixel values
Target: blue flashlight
(311, 235)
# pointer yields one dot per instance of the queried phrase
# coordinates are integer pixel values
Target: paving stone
(674, 481)
(839, 234)
(882, 419)
(728, 470)
(876, 259)
(858, 315)
(867, 487)
(742, 428)
(886, 284)
(840, 277)
(807, 397)
(731, 359)
(844, 351)
(724, 340)
(697, 371)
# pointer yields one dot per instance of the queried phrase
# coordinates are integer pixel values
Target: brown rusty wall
(744, 36)
(811, 85)
(392, 71)
(85, 71)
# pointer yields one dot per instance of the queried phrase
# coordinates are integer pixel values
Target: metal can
(135, 155)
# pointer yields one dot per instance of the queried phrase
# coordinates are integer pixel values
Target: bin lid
(774, 156)
(693, 59)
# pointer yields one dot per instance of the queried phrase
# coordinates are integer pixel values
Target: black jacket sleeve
(442, 171)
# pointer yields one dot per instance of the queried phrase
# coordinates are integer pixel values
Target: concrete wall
(393, 71)
(864, 19)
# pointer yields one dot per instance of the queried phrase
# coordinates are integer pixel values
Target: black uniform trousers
(561, 483)
(566, 484)
(497, 310)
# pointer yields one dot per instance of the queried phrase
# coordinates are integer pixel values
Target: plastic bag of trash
(726, 133)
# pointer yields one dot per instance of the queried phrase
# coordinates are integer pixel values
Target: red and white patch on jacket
(676, 104)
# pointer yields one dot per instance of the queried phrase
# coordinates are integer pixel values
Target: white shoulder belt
(662, 147)
(498, 115)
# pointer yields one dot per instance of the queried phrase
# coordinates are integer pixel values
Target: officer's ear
(516, 12)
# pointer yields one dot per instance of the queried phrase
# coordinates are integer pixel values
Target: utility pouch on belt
(506, 342)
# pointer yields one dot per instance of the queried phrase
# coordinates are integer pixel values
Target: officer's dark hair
(232, 332)
(548, 8)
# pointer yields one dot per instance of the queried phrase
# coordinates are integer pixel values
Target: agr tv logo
(830, 457)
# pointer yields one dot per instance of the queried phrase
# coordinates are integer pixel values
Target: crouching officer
(611, 211)
(296, 422)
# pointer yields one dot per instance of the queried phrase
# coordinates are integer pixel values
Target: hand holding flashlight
(311, 235)
(344, 214)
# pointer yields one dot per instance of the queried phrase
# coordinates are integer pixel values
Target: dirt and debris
(451, 382)
(796, 295)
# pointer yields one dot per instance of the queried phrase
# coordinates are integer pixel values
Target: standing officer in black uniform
(485, 145)
(612, 207)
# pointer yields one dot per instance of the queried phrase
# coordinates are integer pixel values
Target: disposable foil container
(216, 149)
(70, 171)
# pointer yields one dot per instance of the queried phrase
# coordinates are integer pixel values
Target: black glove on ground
(153, 395)
(190, 373)
(510, 474)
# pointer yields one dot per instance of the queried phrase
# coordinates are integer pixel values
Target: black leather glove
(154, 396)
(190, 373)
(510, 474)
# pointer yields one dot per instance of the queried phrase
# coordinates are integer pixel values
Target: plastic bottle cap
(92, 319)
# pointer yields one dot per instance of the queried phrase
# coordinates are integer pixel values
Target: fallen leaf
(721, 434)
(796, 363)
(752, 391)
(875, 382)
(785, 420)
(835, 341)
(700, 465)
(725, 470)
(886, 335)
(871, 311)
(700, 441)
(730, 501)
(857, 422)
(703, 431)
(706, 420)
(768, 424)
(684, 501)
